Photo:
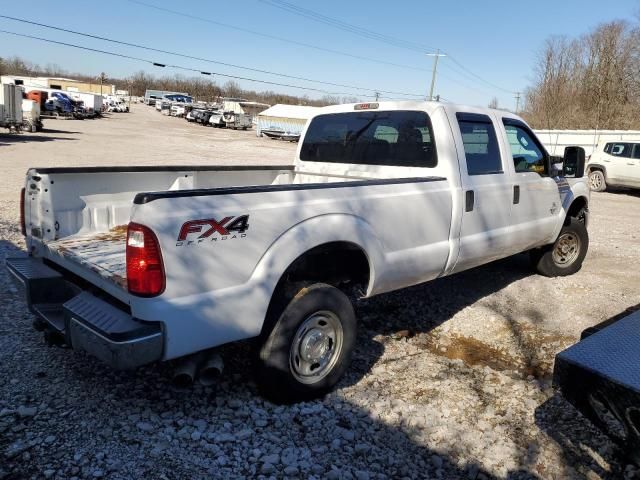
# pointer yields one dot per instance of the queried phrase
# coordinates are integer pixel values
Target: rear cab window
(401, 138)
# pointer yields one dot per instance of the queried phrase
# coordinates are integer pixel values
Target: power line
(361, 31)
(120, 42)
(349, 27)
(497, 87)
(274, 37)
(158, 64)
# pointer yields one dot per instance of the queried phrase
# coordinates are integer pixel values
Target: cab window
(480, 144)
(396, 138)
(525, 150)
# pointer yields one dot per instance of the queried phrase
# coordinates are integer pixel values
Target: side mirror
(574, 159)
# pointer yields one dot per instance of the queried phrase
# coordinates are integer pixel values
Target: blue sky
(495, 39)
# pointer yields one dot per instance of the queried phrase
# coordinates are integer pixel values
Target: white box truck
(11, 106)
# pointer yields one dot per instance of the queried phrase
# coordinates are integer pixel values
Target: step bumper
(87, 322)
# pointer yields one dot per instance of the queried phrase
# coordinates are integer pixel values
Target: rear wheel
(305, 352)
(597, 182)
(567, 253)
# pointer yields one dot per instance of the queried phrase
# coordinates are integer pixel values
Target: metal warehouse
(288, 118)
(58, 83)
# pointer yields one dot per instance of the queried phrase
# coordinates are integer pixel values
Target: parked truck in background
(31, 120)
(144, 264)
(11, 106)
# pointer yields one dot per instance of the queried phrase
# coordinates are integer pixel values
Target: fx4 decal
(209, 229)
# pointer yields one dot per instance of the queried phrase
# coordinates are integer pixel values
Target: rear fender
(312, 233)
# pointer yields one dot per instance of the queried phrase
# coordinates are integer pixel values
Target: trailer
(600, 376)
(92, 102)
(11, 107)
(31, 115)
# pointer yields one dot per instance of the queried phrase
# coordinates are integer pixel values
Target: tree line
(589, 82)
(200, 88)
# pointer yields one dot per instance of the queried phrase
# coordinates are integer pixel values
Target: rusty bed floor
(101, 252)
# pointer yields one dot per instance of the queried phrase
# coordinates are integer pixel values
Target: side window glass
(636, 150)
(607, 148)
(621, 149)
(527, 156)
(480, 147)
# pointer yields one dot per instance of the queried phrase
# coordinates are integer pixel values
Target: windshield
(399, 138)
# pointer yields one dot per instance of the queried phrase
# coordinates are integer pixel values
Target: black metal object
(600, 376)
(469, 200)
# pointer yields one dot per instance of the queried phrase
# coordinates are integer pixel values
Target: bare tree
(589, 82)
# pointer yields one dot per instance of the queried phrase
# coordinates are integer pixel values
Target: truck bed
(101, 252)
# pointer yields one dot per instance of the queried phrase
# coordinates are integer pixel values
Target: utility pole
(102, 78)
(517, 101)
(437, 55)
(377, 94)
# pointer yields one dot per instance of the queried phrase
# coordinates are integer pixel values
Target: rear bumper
(600, 376)
(85, 321)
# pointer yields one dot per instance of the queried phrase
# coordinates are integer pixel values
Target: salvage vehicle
(614, 164)
(143, 264)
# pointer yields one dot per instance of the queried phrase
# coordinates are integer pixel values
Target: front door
(486, 193)
(537, 196)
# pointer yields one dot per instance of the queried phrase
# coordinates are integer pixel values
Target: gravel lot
(451, 379)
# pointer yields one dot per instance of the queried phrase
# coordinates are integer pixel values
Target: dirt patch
(474, 352)
(116, 234)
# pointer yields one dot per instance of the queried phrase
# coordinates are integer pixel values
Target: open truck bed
(100, 252)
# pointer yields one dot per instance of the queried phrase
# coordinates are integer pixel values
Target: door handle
(469, 200)
(516, 194)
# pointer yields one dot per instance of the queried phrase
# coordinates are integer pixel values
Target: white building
(287, 118)
(556, 140)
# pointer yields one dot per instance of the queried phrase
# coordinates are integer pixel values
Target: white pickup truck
(142, 264)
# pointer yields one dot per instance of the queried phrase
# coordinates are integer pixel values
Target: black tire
(277, 377)
(597, 182)
(566, 260)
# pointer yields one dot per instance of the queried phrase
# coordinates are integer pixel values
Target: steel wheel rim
(566, 249)
(316, 347)
(595, 181)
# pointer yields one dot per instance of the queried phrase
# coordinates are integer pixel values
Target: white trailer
(31, 115)
(11, 106)
(92, 101)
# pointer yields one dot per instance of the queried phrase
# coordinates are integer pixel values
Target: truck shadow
(53, 130)
(26, 138)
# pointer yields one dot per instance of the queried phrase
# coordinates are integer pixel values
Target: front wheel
(597, 182)
(567, 253)
(307, 350)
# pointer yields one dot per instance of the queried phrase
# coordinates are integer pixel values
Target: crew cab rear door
(487, 190)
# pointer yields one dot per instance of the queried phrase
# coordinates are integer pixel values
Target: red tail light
(23, 221)
(145, 271)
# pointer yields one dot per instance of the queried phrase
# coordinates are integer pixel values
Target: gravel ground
(451, 379)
